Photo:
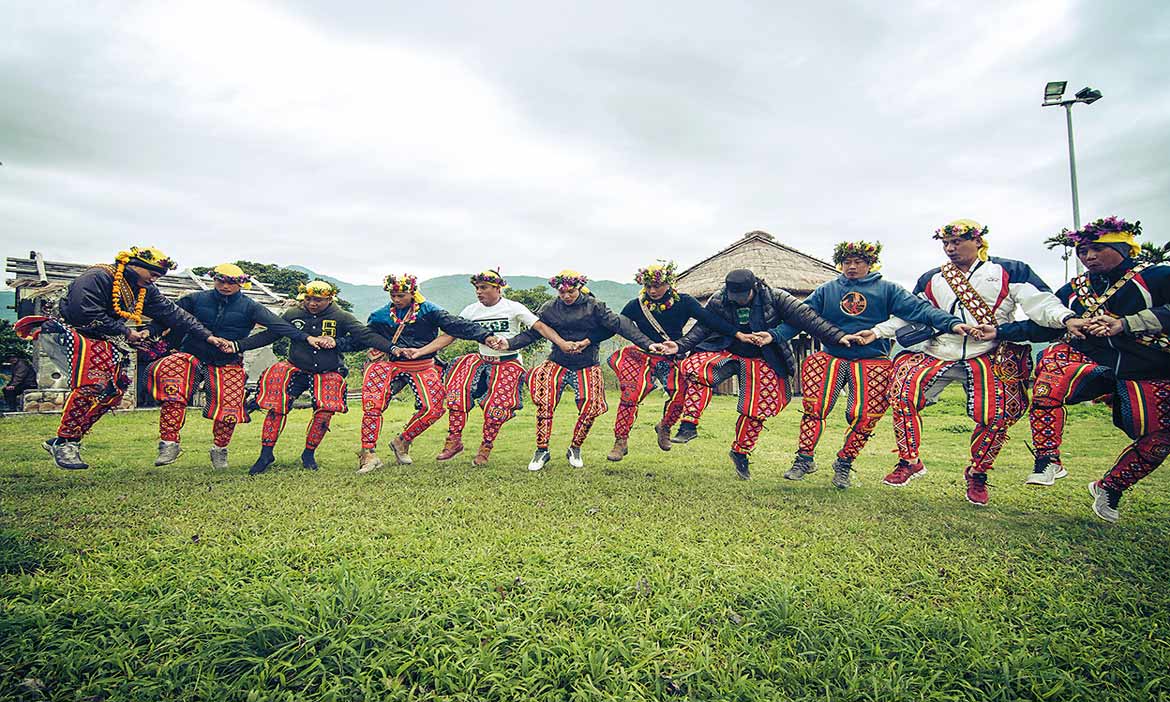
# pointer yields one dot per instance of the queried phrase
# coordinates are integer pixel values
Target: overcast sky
(362, 138)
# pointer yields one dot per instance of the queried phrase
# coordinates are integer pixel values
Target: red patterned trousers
(1064, 376)
(1142, 409)
(282, 383)
(822, 377)
(994, 404)
(636, 372)
(96, 380)
(422, 377)
(497, 386)
(762, 393)
(548, 381)
(172, 381)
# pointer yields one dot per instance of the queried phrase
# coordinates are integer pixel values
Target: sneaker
(574, 455)
(539, 459)
(481, 457)
(740, 461)
(686, 432)
(66, 454)
(368, 461)
(1105, 501)
(802, 466)
(620, 448)
(309, 459)
(904, 472)
(168, 453)
(219, 457)
(452, 448)
(663, 436)
(841, 470)
(401, 449)
(1046, 471)
(976, 488)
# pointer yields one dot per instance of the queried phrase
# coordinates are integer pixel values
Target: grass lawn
(660, 577)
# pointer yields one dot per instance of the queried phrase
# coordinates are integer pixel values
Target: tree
(1153, 253)
(11, 344)
(282, 280)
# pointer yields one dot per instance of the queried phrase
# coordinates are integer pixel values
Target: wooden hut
(782, 267)
(39, 286)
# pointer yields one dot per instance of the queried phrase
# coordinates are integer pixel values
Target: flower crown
(860, 249)
(966, 231)
(230, 273)
(1093, 231)
(406, 283)
(660, 274)
(317, 288)
(489, 277)
(566, 280)
(152, 257)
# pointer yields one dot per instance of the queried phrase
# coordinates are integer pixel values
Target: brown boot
(368, 461)
(481, 458)
(401, 449)
(451, 449)
(663, 433)
(619, 450)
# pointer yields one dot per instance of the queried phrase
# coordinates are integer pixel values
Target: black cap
(740, 283)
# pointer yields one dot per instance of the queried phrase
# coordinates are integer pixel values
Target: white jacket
(1005, 285)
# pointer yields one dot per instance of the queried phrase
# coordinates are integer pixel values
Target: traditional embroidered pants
(1141, 408)
(423, 378)
(762, 393)
(282, 384)
(97, 379)
(1064, 376)
(995, 404)
(496, 385)
(636, 372)
(172, 380)
(822, 377)
(547, 381)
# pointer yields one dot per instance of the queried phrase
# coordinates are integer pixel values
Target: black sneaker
(740, 461)
(266, 459)
(686, 432)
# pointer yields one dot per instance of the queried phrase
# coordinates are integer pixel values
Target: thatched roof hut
(783, 267)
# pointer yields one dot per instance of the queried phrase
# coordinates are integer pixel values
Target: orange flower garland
(139, 304)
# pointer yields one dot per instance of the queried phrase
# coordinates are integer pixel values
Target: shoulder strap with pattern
(653, 322)
(968, 296)
(1090, 300)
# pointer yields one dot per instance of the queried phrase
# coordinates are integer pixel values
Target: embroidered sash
(1010, 362)
(1093, 304)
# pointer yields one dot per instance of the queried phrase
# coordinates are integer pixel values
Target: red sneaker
(976, 488)
(904, 472)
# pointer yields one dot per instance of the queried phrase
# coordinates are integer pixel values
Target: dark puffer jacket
(768, 309)
(586, 318)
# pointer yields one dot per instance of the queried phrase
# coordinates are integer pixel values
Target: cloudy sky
(359, 138)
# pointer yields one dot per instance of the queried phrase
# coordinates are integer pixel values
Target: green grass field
(660, 577)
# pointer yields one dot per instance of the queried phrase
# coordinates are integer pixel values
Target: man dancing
(315, 365)
(102, 316)
(493, 378)
(578, 318)
(411, 323)
(173, 379)
(979, 290)
(1126, 353)
(660, 312)
(857, 300)
(762, 366)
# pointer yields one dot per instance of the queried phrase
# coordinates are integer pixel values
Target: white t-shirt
(502, 319)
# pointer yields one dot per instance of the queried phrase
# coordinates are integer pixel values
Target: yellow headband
(1121, 238)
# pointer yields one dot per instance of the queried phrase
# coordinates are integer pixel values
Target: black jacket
(332, 321)
(581, 320)
(769, 308)
(425, 327)
(88, 307)
(230, 317)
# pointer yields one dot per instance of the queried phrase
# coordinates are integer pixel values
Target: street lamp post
(1053, 96)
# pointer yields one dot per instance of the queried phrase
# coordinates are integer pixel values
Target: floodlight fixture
(1054, 91)
(1088, 95)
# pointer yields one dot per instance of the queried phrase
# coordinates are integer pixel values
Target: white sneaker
(219, 457)
(168, 453)
(574, 456)
(539, 459)
(1046, 472)
(1105, 502)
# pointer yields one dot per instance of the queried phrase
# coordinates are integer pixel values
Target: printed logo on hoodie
(854, 303)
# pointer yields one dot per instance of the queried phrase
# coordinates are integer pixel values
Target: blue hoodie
(857, 305)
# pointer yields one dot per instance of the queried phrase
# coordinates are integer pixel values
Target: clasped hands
(1078, 327)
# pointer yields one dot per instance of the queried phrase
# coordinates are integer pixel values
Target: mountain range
(454, 292)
